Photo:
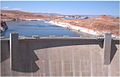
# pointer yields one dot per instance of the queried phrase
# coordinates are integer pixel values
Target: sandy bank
(66, 25)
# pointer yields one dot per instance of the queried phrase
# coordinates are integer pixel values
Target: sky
(65, 7)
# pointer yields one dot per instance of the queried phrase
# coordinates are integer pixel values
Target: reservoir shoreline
(40, 28)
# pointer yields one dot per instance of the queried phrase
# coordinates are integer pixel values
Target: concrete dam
(58, 56)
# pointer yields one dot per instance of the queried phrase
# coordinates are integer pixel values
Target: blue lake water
(41, 28)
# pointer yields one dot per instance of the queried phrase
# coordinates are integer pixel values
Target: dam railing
(14, 42)
(21, 49)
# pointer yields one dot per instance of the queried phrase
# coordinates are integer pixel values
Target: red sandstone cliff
(20, 15)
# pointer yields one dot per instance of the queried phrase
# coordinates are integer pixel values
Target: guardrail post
(13, 49)
(107, 48)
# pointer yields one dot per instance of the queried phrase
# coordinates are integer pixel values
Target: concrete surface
(60, 57)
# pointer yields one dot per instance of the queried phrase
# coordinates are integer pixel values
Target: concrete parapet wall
(60, 56)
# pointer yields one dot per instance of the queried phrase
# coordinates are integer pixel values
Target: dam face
(59, 57)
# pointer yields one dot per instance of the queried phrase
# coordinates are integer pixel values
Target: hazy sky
(65, 7)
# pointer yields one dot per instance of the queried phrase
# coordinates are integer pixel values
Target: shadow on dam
(24, 58)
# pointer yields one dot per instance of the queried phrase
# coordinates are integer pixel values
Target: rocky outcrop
(3, 26)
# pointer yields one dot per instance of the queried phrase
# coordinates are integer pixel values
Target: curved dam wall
(59, 57)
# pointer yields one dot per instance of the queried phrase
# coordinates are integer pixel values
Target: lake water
(41, 28)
